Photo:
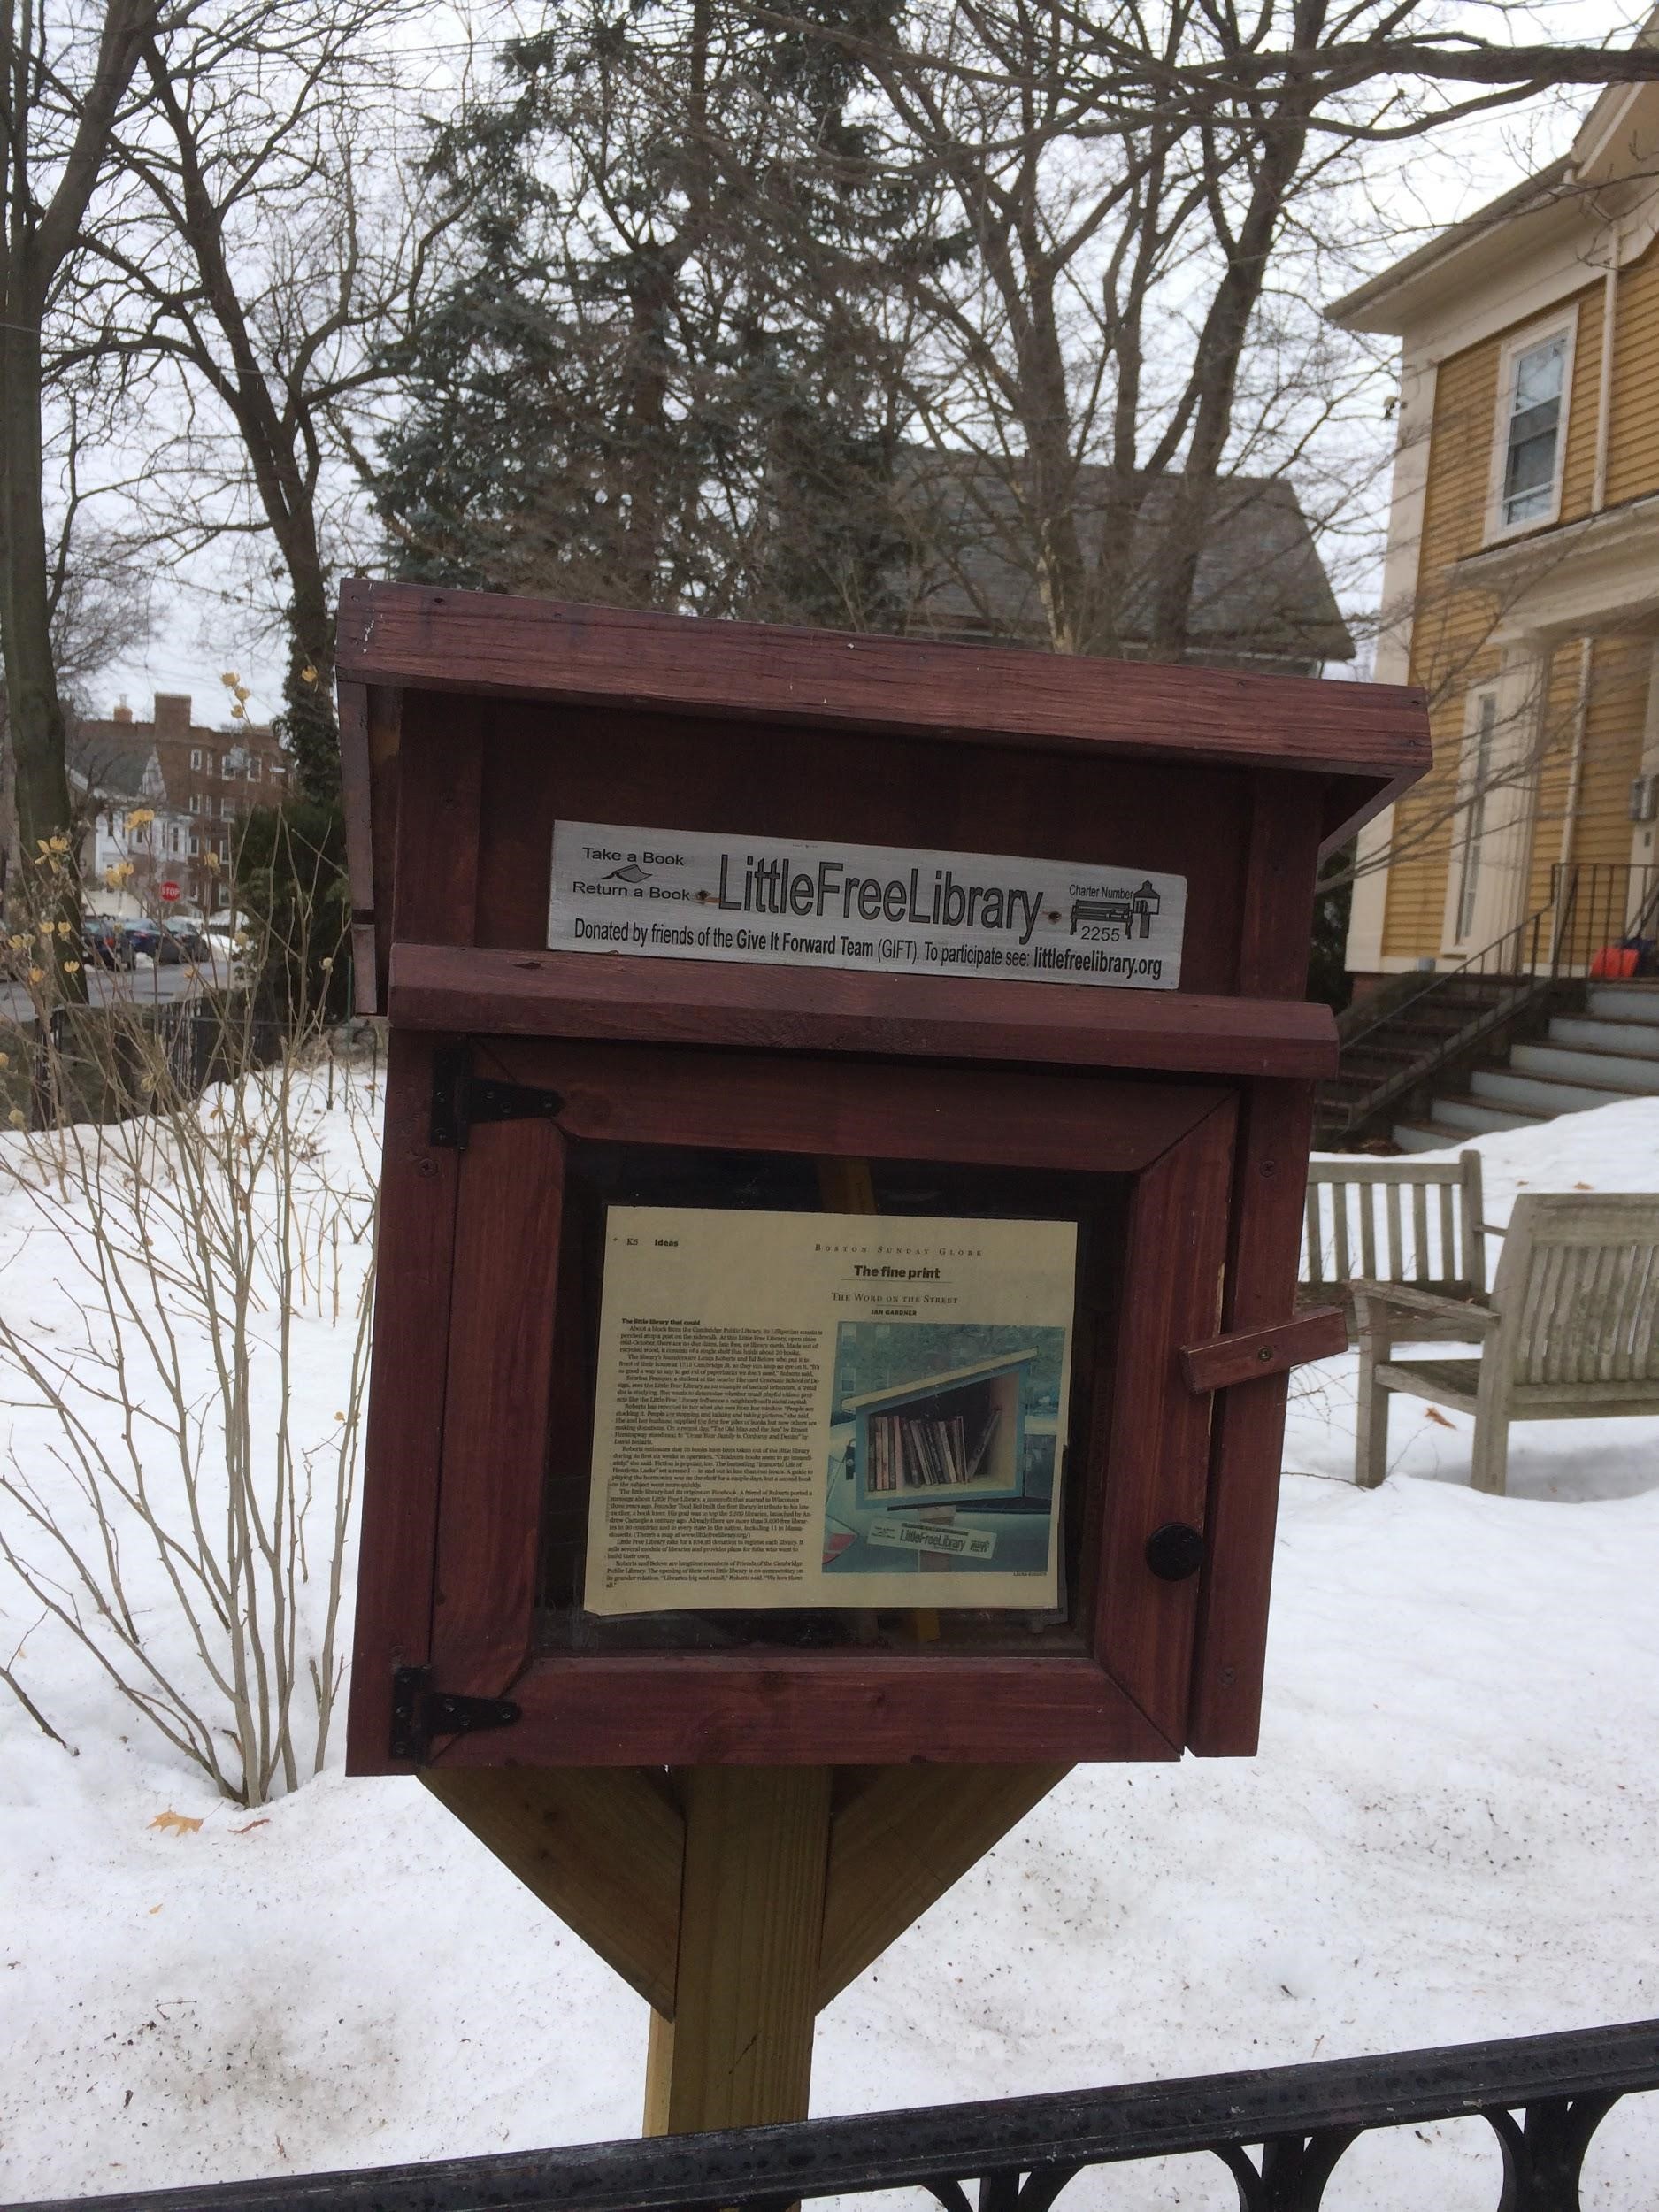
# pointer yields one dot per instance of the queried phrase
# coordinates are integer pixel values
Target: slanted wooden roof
(926, 1385)
(1363, 744)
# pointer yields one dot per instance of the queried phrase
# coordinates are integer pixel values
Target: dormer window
(1533, 384)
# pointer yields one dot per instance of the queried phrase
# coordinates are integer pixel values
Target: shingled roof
(1262, 596)
(110, 762)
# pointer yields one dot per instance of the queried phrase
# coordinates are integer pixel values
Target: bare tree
(1145, 196)
(268, 267)
(1074, 252)
(66, 79)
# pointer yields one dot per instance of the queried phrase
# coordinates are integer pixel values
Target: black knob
(1175, 1551)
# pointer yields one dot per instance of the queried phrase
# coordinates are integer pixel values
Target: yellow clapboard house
(1522, 582)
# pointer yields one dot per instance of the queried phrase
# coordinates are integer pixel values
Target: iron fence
(107, 1061)
(1281, 2133)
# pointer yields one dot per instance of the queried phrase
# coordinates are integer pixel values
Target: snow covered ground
(1450, 1833)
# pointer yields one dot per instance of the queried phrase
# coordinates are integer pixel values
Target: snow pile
(1449, 1834)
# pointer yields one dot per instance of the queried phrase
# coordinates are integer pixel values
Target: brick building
(195, 781)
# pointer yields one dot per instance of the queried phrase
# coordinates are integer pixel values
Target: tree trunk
(309, 686)
(1216, 373)
(48, 884)
(35, 716)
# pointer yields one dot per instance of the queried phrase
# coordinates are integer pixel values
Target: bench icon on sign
(1133, 910)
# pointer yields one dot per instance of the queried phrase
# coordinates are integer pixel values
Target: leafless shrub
(176, 1494)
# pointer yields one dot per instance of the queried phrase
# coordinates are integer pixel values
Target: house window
(196, 802)
(1479, 741)
(253, 772)
(196, 845)
(196, 757)
(175, 840)
(227, 809)
(1531, 409)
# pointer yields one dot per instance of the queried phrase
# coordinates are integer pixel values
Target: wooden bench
(1416, 1221)
(1571, 1331)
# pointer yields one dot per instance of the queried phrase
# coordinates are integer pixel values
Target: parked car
(143, 936)
(183, 942)
(104, 941)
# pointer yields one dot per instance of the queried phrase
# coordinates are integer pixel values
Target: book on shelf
(917, 1452)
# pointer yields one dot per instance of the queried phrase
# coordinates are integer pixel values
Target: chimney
(123, 712)
(172, 714)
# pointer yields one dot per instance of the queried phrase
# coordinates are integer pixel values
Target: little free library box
(846, 1133)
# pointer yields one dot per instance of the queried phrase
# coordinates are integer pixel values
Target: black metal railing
(1427, 1022)
(1603, 903)
(1281, 2133)
(106, 1061)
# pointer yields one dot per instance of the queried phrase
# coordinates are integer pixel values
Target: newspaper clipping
(828, 1410)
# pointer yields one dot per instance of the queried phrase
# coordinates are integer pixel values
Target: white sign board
(693, 894)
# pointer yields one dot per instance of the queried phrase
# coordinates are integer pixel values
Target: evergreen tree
(658, 372)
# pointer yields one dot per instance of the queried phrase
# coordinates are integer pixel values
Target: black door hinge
(461, 1099)
(420, 1713)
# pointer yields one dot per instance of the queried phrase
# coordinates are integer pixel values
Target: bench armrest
(1406, 1300)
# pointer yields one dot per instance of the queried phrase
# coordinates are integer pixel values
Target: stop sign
(169, 891)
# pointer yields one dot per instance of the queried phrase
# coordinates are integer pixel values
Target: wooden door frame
(1126, 1698)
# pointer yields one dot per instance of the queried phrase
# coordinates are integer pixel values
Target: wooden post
(739, 2050)
(739, 1901)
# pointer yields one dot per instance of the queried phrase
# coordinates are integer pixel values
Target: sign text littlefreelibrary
(693, 894)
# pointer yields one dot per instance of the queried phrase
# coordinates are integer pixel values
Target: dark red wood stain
(1251, 1355)
(710, 1002)
(469, 726)
(398, 1543)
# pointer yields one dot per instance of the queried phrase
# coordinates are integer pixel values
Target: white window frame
(195, 758)
(1565, 322)
(227, 810)
(196, 802)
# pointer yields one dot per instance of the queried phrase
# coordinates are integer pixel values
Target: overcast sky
(205, 623)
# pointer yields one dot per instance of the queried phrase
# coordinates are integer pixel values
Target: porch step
(1632, 1002)
(1613, 1072)
(1466, 1112)
(1429, 1136)
(1607, 1033)
(1562, 1057)
(1539, 1098)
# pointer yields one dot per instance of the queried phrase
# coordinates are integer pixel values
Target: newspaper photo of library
(777, 1424)
(944, 1448)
